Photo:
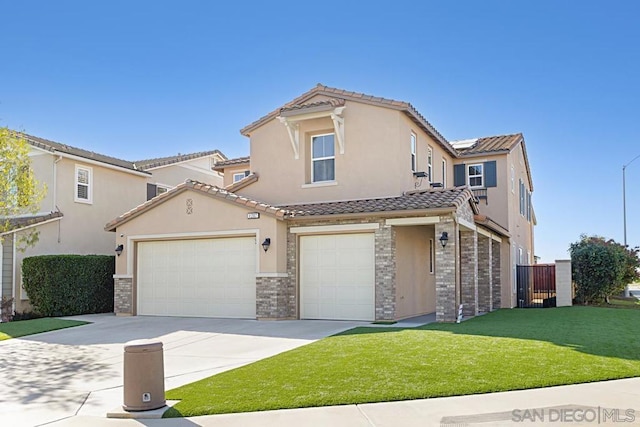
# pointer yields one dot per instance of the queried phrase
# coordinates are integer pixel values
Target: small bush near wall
(64, 285)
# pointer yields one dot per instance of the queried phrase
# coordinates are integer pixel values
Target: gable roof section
(200, 187)
(498, 144)
(491, 144)
(341, 94)
(232, 162)
(23, 222)
(166, 161)
(452, 198)
(54, 147)
(435, 199)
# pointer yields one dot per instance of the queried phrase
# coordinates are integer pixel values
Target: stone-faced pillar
(484, 274)
(469, 272)
(446, 310)
(496, 286)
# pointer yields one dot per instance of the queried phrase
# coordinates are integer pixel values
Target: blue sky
(139, 79)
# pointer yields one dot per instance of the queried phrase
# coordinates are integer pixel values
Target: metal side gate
(536, 285)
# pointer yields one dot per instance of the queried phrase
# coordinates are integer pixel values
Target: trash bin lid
(142, 346)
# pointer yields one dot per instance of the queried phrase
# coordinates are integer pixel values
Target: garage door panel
(199, 277)
(337, 277)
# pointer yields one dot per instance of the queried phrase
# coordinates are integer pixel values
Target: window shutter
(151, 191)
(459, 175)
(490, 174)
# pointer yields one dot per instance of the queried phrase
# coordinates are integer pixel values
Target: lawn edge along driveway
(510, 349)
(23, 328)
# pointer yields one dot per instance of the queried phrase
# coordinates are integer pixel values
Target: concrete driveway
(78, 371)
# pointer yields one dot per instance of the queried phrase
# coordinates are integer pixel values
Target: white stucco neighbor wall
(564, 287)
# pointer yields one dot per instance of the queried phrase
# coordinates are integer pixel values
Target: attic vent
(464, 143)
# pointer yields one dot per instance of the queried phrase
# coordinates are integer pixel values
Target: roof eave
(378, 214)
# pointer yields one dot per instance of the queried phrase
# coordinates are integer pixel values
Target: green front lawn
(34, 326)
(505, 350)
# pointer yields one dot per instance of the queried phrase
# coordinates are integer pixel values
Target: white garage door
(337, 276)
(200, 277)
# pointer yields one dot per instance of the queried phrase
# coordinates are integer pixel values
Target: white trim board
(334, 228)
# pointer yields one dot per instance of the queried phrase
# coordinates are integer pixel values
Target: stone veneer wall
(273, 298)
(123, 295)
(496, 286)
(469, 272)
(484, 274)
(446, 310)
(385, 253)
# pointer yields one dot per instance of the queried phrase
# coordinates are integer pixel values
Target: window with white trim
(83, 191)
(431, 257)
(444, 173)
(414, 142)
(475, 176)
(323, 158)
(240, 175)
(430, 163)
(160, 189)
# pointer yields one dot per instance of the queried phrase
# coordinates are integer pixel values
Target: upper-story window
(414, 143)
(444, 173)
(240, 175)
(430, 163)
(83, 191)
(476, 176)
(323, 158)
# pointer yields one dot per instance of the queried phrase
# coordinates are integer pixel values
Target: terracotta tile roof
(313, 106)
(244, 182)
(320, 89)
(53, 146)
(232, 162)
(415, 200)
(164, 161)
(14, 224)
(492, 143)
(452, 198)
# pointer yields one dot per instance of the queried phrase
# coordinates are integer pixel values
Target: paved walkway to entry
(77, 372)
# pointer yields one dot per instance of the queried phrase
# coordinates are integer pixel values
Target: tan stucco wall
(42, 163)
(209, 217)
(415, 286)
(197, 170)
(376, 161)
(81, 229)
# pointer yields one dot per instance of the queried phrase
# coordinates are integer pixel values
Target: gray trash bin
(143, 375)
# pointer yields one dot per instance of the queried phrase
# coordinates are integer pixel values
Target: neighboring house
(349, 207)
(84, 190)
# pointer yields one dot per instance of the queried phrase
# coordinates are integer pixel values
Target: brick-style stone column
(484, 274)
(496, 278)
(469, 272)
(123, 295)
(385, 275)
(446, 309)
(272, 298)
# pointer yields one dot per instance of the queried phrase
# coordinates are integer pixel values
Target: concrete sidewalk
(612, 403)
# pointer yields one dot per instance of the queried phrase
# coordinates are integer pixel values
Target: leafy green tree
(20, 192)
(602, 268)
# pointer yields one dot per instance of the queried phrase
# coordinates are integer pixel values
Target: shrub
(64, 285)
(601, 268)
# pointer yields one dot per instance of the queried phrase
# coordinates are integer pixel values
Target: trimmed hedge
(65, 285)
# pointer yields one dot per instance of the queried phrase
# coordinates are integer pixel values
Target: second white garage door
(337, 277)
(200, 277)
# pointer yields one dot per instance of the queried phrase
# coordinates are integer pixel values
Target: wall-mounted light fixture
(266, 244)
(119, 249)
(444, 238)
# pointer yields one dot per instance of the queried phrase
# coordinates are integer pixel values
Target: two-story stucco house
(349, 206)
(84, 190)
